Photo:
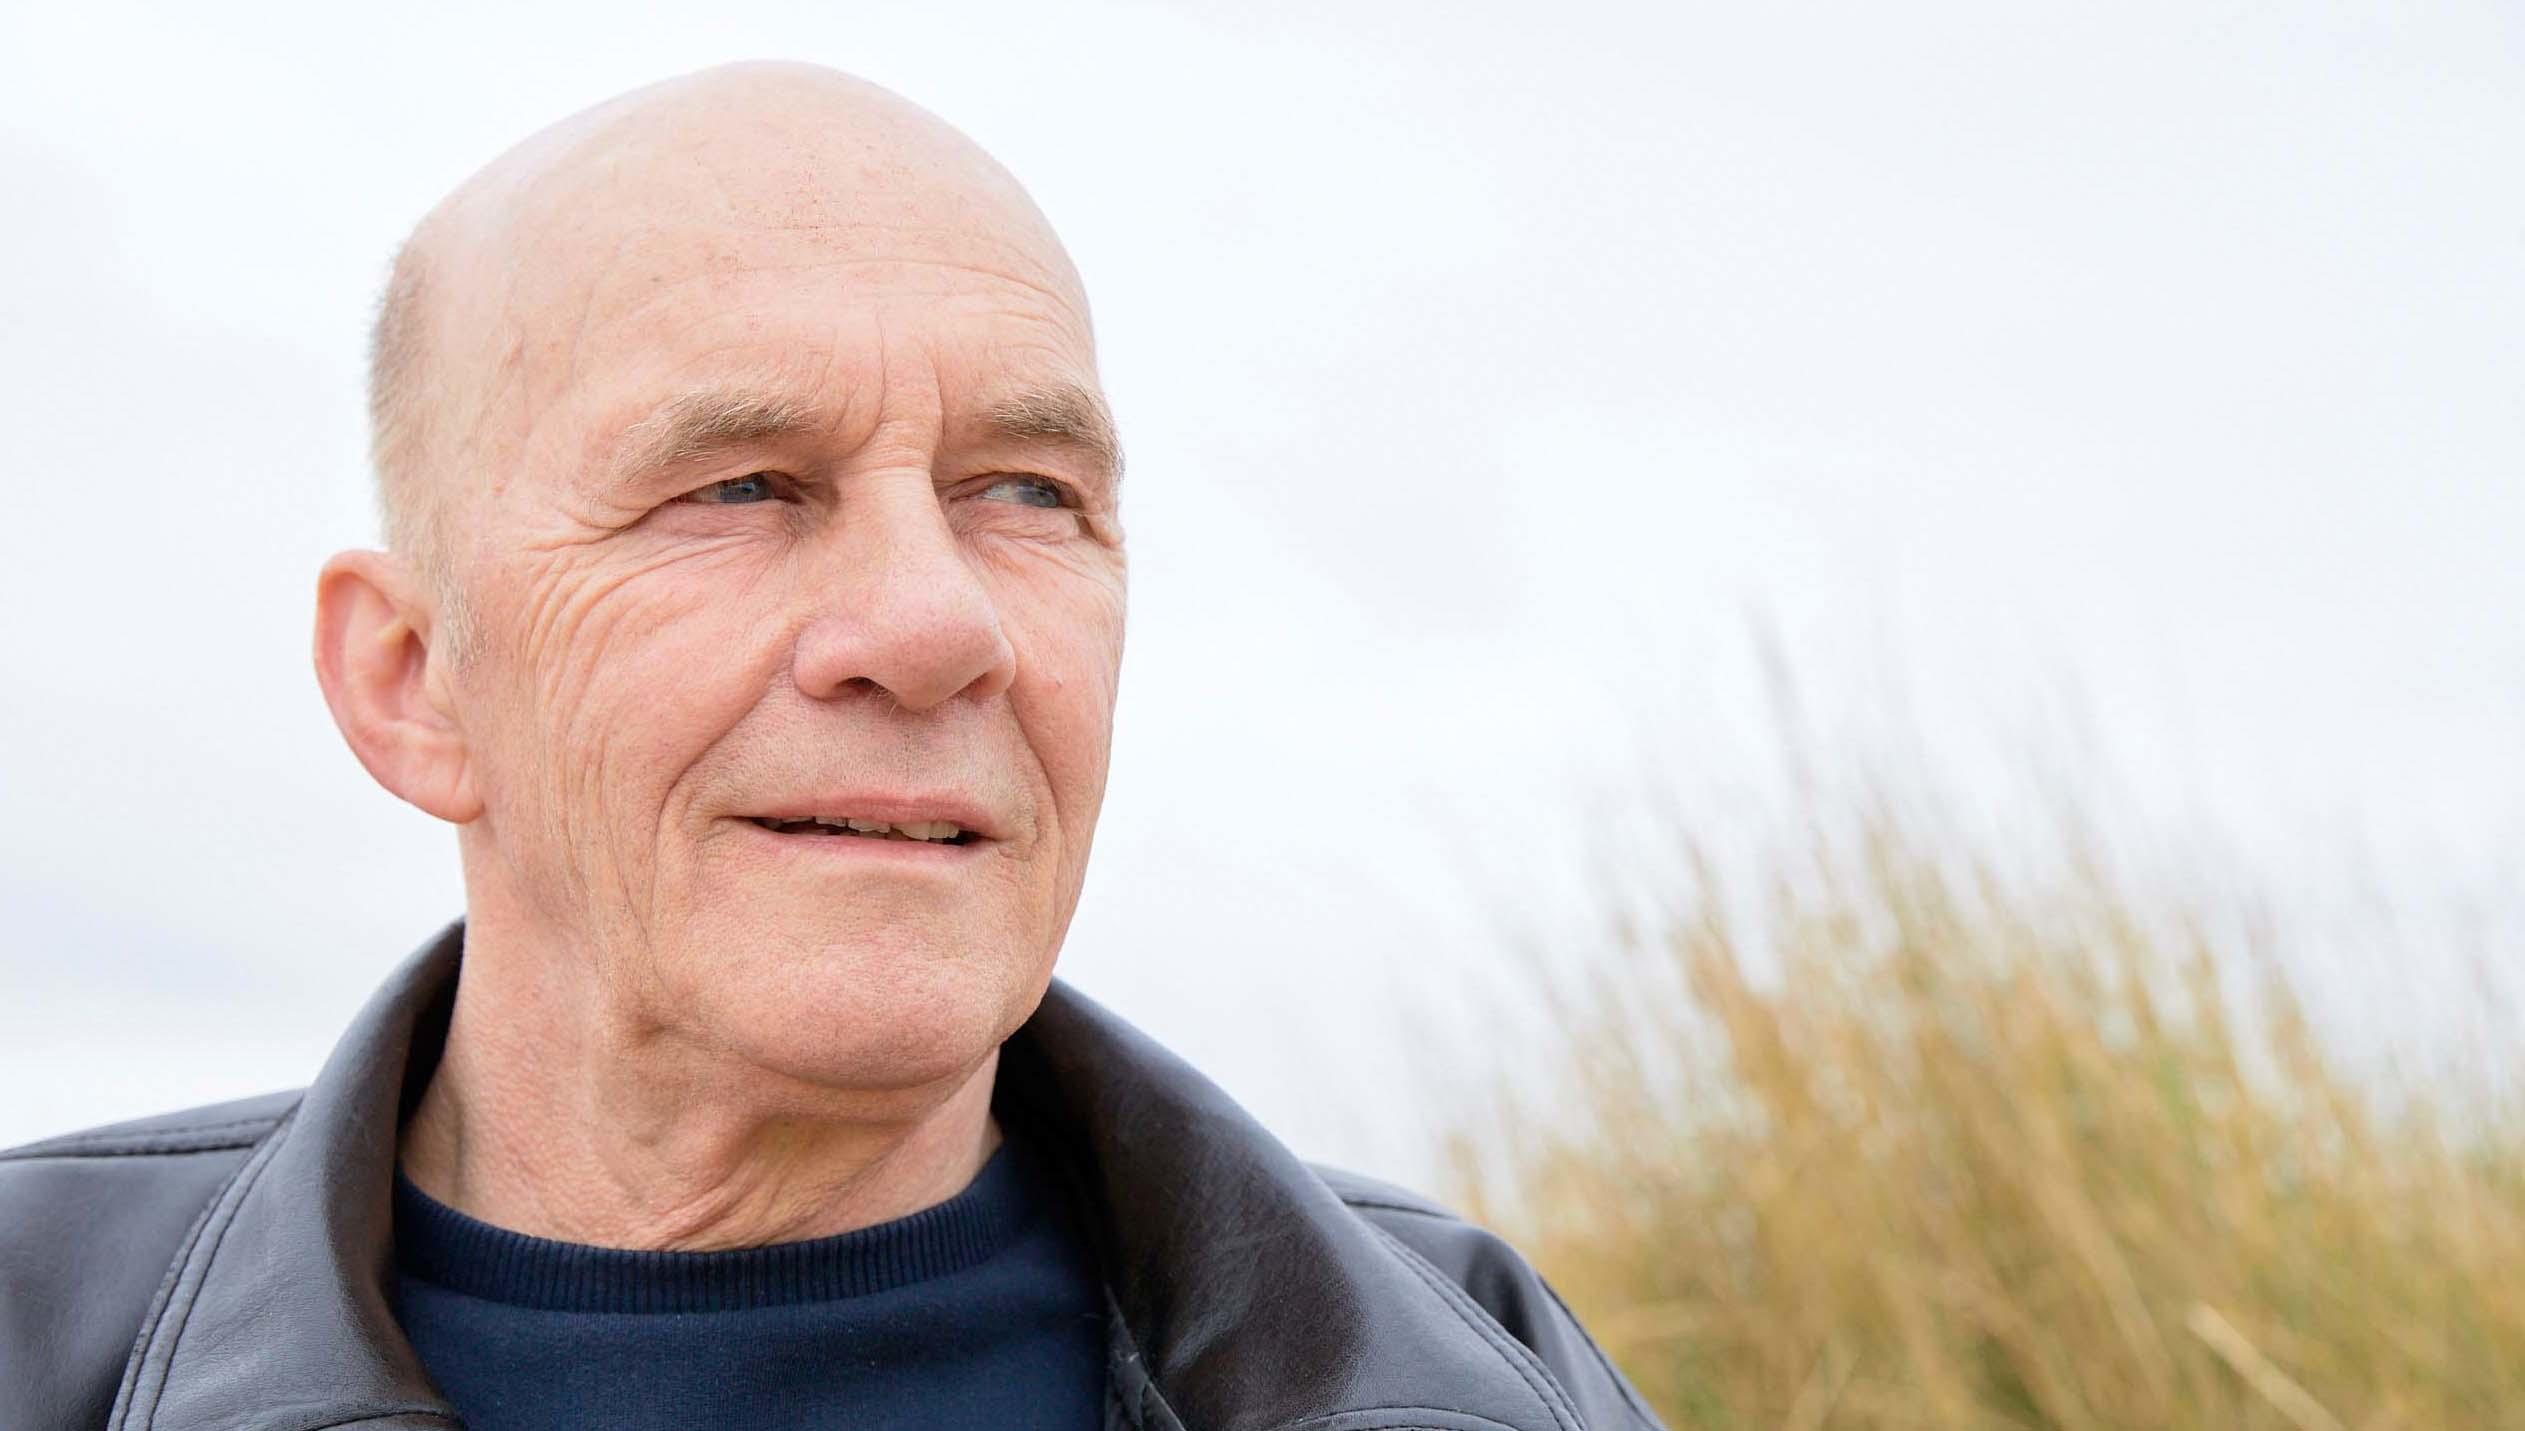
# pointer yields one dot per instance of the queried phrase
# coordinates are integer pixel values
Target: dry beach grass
(1903, 1135)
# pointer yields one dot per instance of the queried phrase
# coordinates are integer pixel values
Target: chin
(870, 1013)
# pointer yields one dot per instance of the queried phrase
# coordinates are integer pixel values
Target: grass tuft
(1904, 1135)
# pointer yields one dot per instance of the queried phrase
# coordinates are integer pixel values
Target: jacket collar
(1246, 1294)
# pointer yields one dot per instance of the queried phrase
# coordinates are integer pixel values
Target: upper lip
(893, 807)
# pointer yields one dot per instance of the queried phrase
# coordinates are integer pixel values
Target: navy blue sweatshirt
(983, 1311)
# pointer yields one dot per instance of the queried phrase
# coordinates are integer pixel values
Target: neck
(555, 1114)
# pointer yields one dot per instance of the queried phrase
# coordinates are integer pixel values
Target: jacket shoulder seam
(1603, 1358)
(154, 1357)
(1351, 1414)
(206, 1138)
(1439, 1214)
(1378, 1204)
(1520, 1358)
(149, 1322)
(391, 1413)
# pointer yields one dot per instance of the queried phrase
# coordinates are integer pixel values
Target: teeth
(931, 830)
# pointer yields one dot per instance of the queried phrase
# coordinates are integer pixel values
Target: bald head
(496, 297)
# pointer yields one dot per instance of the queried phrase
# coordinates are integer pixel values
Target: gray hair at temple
(405, 442)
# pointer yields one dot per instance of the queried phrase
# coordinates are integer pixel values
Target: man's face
(796, 509)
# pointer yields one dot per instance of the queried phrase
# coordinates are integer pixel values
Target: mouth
(851, 827)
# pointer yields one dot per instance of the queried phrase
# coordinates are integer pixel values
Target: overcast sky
(2160, 366)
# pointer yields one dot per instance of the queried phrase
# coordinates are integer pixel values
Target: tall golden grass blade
(2274, 1385)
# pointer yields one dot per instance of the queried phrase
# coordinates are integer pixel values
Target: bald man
(752, 607)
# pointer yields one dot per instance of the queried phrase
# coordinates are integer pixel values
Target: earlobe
(373, 658)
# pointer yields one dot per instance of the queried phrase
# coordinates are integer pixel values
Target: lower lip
(907, 854)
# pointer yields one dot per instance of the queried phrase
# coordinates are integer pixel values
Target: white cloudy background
(2156, 366)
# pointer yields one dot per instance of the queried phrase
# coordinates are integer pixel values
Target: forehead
(817, 350)
(610, 304)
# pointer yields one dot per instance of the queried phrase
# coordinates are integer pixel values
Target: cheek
(1067, 628)
(1062, 603)
(628, 675)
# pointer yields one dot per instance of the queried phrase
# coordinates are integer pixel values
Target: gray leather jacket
(225, 1267)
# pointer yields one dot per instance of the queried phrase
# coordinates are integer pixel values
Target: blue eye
(735, 491)
(1049, 492)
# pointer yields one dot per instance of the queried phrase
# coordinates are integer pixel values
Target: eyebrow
(695, 425)
(1064, 414)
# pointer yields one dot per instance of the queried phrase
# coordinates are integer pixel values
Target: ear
(387, 688)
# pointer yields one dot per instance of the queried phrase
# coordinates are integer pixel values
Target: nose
(899, 606)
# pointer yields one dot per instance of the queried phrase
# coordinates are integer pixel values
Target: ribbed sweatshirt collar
(435, 1243)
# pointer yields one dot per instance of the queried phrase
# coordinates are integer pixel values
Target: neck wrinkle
(545, 1117)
